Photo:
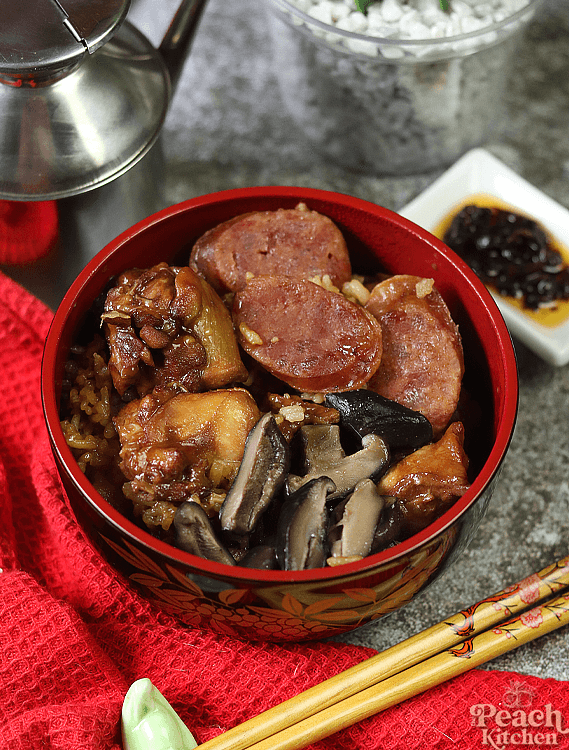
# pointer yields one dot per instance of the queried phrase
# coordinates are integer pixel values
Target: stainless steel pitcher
(83, 97)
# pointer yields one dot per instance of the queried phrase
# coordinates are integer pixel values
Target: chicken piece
(429, 480)
(165, 326)
(185, 444)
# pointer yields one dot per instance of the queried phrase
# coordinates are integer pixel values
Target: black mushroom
(321, 447)
(195, 534)
(302, 533)
(263, 471)
(354, 522)
(390, 530)
(261, 557)
(325, 457)
(365, 412)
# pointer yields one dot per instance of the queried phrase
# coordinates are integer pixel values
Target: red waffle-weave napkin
(73, 637)
(28, 230)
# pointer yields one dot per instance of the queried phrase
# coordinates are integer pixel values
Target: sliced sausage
(297, 242)
(313, 339)
(422, 363)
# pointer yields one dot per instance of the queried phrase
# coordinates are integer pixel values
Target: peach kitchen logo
(516, 723)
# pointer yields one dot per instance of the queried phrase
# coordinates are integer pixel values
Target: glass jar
(389, 106)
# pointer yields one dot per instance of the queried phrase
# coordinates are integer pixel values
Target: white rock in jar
(406, 20)
(386, 104)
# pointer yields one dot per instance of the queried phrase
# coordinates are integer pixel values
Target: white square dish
(476, 173)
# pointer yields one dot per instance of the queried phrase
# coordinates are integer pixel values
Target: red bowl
(308, 604)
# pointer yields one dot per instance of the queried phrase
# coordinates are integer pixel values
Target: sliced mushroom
(302, 535)
(263, 557)
(195, 534)
(390, 529)
(321, 447)
(368, 463)
(365, 412)
(355, 521)
(262, 474)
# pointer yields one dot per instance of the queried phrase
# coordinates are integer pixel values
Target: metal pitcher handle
(178, 39)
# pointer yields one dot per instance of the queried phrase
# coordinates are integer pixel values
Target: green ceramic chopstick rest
(149, 722)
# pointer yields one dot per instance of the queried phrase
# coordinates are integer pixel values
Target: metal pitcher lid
(44, 35)
(81, 128)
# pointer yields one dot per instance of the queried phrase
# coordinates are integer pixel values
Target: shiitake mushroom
(365, 412)
(333, 509)
(263, 471)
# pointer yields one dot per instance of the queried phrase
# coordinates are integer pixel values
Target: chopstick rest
(148, 721)
(493, 626)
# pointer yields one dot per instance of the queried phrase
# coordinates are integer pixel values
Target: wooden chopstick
(392, 674)
(439, 668)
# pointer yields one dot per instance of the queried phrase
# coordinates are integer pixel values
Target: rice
(88, 427)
